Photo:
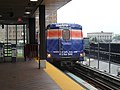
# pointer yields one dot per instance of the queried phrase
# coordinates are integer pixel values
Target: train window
(66, 34)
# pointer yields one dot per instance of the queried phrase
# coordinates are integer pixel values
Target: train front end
(64, 42)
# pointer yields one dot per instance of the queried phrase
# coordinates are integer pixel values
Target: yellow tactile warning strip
(61, 79)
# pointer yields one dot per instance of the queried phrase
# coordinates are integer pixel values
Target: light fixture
(27, 12)
(33, 0)
(0, 15)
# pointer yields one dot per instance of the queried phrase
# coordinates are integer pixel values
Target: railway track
(100, 80)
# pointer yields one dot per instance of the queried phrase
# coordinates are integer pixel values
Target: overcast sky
(93, 15)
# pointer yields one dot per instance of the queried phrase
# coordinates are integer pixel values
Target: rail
(100, 80)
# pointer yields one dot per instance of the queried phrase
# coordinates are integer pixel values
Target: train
(64, 43)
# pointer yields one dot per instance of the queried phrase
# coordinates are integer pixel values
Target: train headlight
(48, 55)
(81, 54)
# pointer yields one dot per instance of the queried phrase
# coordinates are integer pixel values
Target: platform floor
(25, 76)
(65, 82)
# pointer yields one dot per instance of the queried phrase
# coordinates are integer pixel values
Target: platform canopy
(13, 11)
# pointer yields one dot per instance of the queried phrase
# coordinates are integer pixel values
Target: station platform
(26, 76)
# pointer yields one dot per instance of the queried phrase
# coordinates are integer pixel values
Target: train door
(65, 43)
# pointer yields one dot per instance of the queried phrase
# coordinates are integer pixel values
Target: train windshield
(66, 34)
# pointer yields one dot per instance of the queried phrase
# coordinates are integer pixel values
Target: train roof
(59, 25)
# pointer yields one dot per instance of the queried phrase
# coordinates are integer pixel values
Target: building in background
(11, 33)
(51, 18)
(2, 34)
(100, 36)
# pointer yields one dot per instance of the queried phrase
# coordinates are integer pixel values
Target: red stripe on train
(76, 34)
(58, 33)
(54, 33)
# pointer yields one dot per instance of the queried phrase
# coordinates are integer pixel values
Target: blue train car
(64, 42)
